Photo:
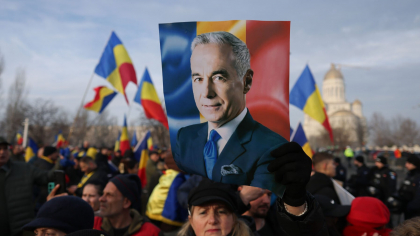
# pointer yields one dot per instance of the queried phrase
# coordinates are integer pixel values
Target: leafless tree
(102, 131)
(380, 129)
(159, 133)
(405, 131)
(1, 83)
(16, 106)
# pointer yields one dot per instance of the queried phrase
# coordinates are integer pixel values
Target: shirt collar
(226, 130)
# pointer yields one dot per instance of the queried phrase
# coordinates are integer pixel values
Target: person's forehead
(111, 188)
(90, 188)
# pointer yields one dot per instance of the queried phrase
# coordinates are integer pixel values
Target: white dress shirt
(226, 130)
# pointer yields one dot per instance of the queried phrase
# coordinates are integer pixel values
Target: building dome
(357, 102)
(342, 113)
(333, 73)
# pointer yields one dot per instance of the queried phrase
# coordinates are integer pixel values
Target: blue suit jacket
(248, 149)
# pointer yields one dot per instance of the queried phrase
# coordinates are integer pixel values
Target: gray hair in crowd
(239, 48)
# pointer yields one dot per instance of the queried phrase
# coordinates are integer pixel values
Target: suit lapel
(234, 147)
(197, 149)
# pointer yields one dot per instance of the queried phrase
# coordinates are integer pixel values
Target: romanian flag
(134, 140)
(141, 153)
(19, 138)
(31, 149)
(117, 143)
(147, 97)
(124, 142)
(300, 138)
(59, 140)
(103, 96)
(116, 66)
(306, 96)
(163, 203)
(150, 142)
(268, 43)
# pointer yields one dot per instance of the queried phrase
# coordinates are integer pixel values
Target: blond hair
(240, 228)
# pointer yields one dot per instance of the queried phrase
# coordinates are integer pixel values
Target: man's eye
(218, 78)
(197, 79)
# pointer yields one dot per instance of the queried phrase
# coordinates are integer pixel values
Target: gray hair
(239, 48)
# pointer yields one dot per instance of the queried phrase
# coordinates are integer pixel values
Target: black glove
(292, 168)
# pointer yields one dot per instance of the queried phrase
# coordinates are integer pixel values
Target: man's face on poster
(218, 90)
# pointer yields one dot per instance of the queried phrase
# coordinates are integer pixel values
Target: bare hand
(53, 191)
(249, 193)
(72, 189)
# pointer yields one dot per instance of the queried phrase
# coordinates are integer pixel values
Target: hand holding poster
(226, 93)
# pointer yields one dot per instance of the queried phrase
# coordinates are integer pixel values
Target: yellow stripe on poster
(235, 27)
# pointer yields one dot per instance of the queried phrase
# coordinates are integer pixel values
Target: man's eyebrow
(195, 74)
(221, 72)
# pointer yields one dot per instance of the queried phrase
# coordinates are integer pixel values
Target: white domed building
(344, 116)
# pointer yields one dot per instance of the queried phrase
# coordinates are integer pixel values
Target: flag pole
(81, 106)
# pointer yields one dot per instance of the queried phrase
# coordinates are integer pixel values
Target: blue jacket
(247, 150)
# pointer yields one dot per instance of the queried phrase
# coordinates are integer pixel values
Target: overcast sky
(60, 43)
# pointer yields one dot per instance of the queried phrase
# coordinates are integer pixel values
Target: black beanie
(128, 154)
(48, 150)
(68, 214)
(413, 159)
(382, 160)
(130, 187)
(360, 159)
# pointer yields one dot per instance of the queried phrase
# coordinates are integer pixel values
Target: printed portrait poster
(227, 97)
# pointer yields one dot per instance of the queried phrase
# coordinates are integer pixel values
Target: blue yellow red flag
(300, 138)
(19, 138)
(59, 139)
(124, 142)
(134, 140)
(306, 96)
(31, 149)
(141, 153)
(115, 65)
(117, 142)
(103, 96)
(147, 97)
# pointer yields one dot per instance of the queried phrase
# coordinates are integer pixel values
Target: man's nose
(208, 88)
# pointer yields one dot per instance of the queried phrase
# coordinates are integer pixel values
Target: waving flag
(150, 142)
(141, 153)
(300, 138)
(103, 96)
(268, 43)
(59, 140)
(116, 66)
(134, 140)
(117, 142)
(147, 97)
(31, 149)
(124, 143)
(306, 96)
(19, 138)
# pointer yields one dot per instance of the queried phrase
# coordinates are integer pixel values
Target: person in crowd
(118, 206)
(92, 191)
(101, 159)
(409, 192)
(17, 207)
(358, 183)
(382, 180)
(349, 154)
(39, 154)
(131, 165)
(409, 227)
(367, 216)
(168, 214)
(88, 232)
(340, 171)
(17, 153)
(259, 211)
(73, 172)
(117, 159)
(151, 165)
(61, 216)
(335, 214)
(91, 172)
(321, 182)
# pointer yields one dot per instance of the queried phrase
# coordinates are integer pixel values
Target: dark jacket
(359, 182)
(340, 173)
(385, 180)
(322, 185)
(98, 175)
(18, 188)
(409, 193)
(41, 192)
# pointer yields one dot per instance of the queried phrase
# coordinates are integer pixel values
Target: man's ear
(247, 80)
(126, 203)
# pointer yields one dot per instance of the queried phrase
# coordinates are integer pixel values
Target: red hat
(368, 212)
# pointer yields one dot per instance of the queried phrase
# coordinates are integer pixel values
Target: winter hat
(337, 160)
(360, 159)
(128, 154)
(368, 212)
(130, 187)
(382, 160)
(88, 232)
(4, 141)
(413, 159)
(48, 150)
(67, 213)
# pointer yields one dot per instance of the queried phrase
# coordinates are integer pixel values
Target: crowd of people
(105, 196)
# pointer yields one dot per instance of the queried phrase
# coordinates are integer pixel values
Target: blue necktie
(210, 152)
